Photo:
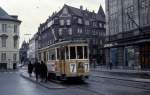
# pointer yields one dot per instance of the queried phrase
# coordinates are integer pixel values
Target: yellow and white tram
(67, 59)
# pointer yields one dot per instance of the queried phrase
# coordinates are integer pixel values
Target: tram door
(61, 58)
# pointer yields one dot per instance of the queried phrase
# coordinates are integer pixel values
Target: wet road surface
(14, 84)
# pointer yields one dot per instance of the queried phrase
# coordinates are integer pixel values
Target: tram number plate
(73, 68)
(86, 67)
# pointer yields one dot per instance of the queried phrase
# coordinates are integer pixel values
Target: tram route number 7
(86, 67)
(73, 68)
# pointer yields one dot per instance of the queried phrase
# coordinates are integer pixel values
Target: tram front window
(72, 53)
(79, 52)
(85, 52)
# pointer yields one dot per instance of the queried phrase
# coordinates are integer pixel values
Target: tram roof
(63, 43)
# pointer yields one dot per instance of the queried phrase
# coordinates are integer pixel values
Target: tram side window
(67, 53)
(52, 55)
(72, 53)
(58, 54)
(79, 52)
(85, 52)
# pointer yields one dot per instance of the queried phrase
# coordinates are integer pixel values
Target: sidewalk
(48, 84)
(114, 70)
(121, 74)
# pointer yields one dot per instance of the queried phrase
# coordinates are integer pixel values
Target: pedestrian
(110, 65)
(30, 69)
(37, 69)
(43, 72)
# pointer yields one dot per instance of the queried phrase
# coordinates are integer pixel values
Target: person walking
(30, 69)
(37, 69)
(110, 65)
(43, 72)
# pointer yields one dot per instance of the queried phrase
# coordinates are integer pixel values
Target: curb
(124, 72)
(62, 87)
(125, 79)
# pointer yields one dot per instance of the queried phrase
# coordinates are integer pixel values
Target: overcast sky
(34, 12)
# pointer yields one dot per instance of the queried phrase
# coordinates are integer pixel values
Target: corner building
(9, 40)
(128, 33)
(76, 24)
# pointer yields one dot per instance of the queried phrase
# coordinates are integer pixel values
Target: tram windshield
(78, 52)
(72, 52)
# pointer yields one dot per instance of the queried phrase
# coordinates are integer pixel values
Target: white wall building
(9, 40)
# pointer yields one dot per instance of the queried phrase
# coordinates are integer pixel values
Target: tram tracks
(127, 83)
(81, 86)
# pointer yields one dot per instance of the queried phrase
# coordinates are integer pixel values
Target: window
(51, 55)
(87, 22)
(79, 52)
(85, 52)
(14, 57)
(3, 41)
(4, 27)
(62, 22)
(15, 28)
(15, 42)
(94, 24)
(70, 31)
(100, 25)
(68, 22)
(72, 53)
(60, 31)
(3, 56)
(79, 30)
(79, 20)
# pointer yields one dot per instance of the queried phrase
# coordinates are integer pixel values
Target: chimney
(81, 7)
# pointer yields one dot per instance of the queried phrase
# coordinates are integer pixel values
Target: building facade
(9, 40)
(31, 50)
(23, 52)
(75, 24)
(127, 33)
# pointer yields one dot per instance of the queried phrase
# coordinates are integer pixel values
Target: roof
(5, 16)
(79, 12)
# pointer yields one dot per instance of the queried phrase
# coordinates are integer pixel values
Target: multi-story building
(128, 33)
(9, 40)
(31, 51)
(75, 24)
(23, 52)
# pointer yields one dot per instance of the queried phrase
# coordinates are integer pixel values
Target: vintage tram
(66, 60)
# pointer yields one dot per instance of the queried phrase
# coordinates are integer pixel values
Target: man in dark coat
(43, 72)
(37, 70)
(30, 69)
